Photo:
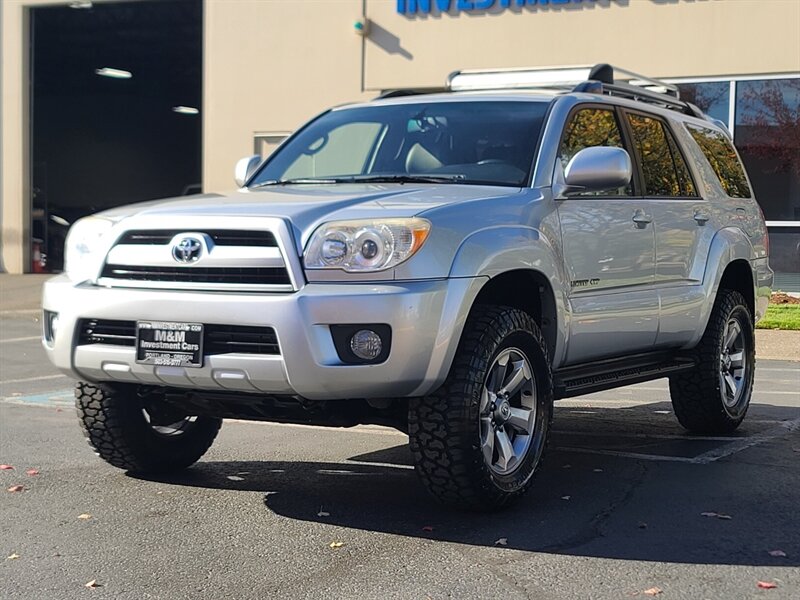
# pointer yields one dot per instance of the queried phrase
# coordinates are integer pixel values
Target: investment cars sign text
(410, 7)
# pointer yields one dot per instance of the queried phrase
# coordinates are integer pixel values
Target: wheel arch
(521, 269)
(728, 267)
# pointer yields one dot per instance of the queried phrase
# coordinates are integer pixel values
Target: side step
(617, 372)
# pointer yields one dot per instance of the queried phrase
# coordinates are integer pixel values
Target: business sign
(412, 7)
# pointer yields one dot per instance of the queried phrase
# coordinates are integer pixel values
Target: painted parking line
(21, 339)
(53, 398)
(729, 449)
(30, 379)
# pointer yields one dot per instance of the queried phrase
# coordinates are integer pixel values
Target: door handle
(701, 217)
(642, 219)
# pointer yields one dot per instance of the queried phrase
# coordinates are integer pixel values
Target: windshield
(476, 142)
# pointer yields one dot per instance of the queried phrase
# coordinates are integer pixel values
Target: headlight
(365, 246)
(80, 249)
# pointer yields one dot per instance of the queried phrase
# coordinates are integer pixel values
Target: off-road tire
(697, 394)
(444, 426)
(112, 419)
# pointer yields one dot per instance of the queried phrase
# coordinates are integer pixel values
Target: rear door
(684, 225)
(609, 252)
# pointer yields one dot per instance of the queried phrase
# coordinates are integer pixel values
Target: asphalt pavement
(626, 504)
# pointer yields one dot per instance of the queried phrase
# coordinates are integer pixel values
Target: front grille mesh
(106, 331)
(221, 237)
(235, 275)
(217, 339)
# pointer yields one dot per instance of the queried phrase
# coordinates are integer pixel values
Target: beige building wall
(271, 64)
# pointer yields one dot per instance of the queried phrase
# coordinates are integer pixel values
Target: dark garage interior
(129, 133)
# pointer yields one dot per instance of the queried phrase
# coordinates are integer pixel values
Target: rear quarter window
(722, 157)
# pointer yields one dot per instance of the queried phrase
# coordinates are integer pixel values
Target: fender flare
(493, 251)
(729, 244)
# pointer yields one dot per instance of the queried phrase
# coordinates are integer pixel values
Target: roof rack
(598, 79)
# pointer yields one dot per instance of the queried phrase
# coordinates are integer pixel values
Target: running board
(617, 372)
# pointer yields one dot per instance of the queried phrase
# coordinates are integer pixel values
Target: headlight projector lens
(366, 344)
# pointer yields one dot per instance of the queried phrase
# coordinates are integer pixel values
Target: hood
(308, 206)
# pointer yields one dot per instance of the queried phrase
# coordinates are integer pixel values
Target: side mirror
(597, 169)
(244, 168)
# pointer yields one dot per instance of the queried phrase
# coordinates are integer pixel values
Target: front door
(609, 253)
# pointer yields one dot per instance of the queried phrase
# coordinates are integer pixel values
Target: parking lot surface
(626, 502)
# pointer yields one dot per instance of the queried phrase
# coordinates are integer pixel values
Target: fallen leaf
(59, 410)
(716, 515)
(427, 528)
(642, 525)
(653, 591)
(566, 497)
(12, 556)
(501, 542)
(16, 488)
(32, 472)
(767, 585)
(235, 478)
(323, 513)
(336, 544)
(777, 553)
(92, 584)
(6, 468)
(84, 516)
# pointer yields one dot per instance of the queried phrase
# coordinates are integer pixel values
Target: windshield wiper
(399, 178)
(296, 181)
(402, 178)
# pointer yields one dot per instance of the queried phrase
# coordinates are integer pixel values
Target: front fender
(729, 244)
(492, 251)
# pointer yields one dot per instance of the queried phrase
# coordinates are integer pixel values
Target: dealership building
(108, 102)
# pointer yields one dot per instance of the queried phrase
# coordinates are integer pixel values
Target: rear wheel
(715, 395)
(138, 432)
(479, 440)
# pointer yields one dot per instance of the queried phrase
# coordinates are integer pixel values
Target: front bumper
(426, 318)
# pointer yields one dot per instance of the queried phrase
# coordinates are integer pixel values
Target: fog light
(366, 344)
(50, 323)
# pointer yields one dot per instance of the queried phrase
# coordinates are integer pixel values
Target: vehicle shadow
(583, 503)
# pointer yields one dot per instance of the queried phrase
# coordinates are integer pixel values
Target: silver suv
(445, 263)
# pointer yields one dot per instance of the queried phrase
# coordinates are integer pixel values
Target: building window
(767, 134)
(712, 97)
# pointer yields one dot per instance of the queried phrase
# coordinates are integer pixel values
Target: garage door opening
(115, 111)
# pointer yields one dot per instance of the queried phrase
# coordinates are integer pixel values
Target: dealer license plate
(169, 344)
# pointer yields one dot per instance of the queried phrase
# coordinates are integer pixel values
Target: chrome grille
(226, 275)
(220, 237)
(230, 259)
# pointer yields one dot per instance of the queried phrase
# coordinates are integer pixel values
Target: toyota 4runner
(444, 263)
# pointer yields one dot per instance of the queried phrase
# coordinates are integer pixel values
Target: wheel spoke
(487, 397)
(516, 381)
(488, 445)
(730, 383)
(520, 419)
(733, 333)
(505, 451)
(498, 374)
(737, 359)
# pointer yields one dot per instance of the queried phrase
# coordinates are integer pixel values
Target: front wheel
(140, 433)
(479, 439)
(714, 396)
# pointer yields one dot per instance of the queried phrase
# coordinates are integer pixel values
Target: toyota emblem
(187, 250)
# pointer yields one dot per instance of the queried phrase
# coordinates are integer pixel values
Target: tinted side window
(592, 127)
(722, 157)
(664, 170)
